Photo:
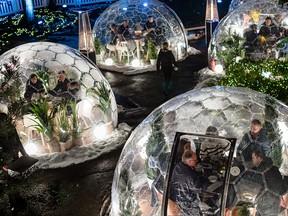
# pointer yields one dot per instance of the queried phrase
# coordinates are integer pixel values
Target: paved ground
(80, 190)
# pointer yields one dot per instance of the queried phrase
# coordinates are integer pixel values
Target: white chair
(29, 121)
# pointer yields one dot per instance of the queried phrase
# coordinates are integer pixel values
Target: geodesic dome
(87, 89)
(169, 26)
(245, 14)
(236, 3)
(229, 109)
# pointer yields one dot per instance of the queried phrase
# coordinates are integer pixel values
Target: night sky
(192, 12)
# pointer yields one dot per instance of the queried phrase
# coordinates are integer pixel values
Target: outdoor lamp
(138, 30)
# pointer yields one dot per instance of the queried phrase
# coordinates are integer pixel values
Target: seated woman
(33, 85)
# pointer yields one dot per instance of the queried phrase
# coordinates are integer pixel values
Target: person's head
(211, 130)
(185, 144)
(255, 126)
(253, 27)
(268, 21)
(125, 22)
(61, 76)
(113, 26)
(150, 19)
(190, 158)
(257, 157)
(165, 45)
(33, 78)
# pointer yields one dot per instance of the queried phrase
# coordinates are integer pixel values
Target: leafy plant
(232, 46)
(97, 45)
(244, 211)
(43, 115)
(43, 76)
(103, 95)
(269, 77)
(128, 205)
(63, 126)
(76, 126)
(152, 52)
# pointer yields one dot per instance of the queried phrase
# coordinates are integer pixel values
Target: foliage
(11, 78)
(97, 45)
(103, 95)
(152, 52)
(269, 77)
(43, 76)
(276, 154)
(63, 126)
(282, 43)
(128, 205)
(156, 145)
(7, 126)
(44, 116)
(244, 211)
(76, 126)
(52, 21)
(232, 46)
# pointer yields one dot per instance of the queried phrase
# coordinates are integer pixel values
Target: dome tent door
(198, 174)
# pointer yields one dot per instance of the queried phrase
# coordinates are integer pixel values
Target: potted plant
(63, 127)
(76, 126)
(98, 48)
(101, 92)
(43, 119)
(152, 52)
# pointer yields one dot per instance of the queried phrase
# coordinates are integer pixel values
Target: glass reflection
(199, 168)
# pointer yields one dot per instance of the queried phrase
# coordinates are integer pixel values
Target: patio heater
(85, 40)
(211, 19)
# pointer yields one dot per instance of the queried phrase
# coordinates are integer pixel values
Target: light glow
(218, 68)
(109, 61)
(101, 131)
(31, 148)
(135, 63)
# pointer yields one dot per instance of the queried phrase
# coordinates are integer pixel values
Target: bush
(269, 77)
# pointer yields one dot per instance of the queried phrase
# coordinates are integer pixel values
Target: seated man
(64, 88)
(269, 31)
(213, 149)
(186, 183)
(123, 30)
(273, 180)
(149, 28)
(251, 37)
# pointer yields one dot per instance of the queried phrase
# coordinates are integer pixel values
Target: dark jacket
(267, 31)
(124, 31)
(251, 37)
(185, 184)
(249, 143)
(267, 203)
(10, 142)
(166, 60)
(32, 88)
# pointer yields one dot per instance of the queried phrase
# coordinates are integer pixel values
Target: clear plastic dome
(68, 90)
(168, 27)
(236, 3)
(229, 109)
(242, 17)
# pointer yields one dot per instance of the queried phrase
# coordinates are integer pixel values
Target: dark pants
(167, 76)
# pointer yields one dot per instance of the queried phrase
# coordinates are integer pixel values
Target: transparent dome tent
(132, 50)
(69, 101)
(235, 3)
(140, 178)
(241, 18)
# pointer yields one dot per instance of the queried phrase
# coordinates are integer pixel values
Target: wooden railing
(8, 7)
